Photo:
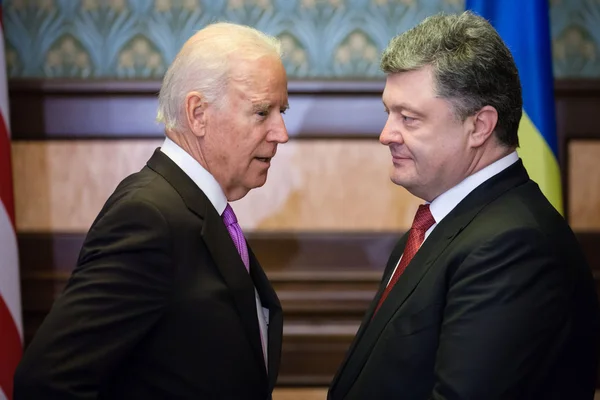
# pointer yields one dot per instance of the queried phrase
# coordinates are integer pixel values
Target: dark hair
(471, 64)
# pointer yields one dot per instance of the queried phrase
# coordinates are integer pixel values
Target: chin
(258, 182)
(399, 180)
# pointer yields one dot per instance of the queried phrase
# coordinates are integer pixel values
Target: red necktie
(422, 222)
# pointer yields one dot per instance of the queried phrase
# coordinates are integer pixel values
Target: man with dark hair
(488, 296)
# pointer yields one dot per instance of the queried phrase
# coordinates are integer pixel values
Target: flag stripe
(525, 28)
(540, 161)
(6, 187)
(9, 272)
(11, 329)
(10, 348)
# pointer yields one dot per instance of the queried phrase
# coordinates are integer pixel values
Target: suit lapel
(413, 274)
(269, 300)
(221, 247)
(236, 277)
(431, 249)
(392, 260)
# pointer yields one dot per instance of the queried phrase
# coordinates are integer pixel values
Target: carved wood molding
(84, 109)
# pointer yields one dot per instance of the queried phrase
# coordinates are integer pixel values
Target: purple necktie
(236, 234)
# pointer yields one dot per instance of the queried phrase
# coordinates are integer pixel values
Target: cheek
(220, 147)
(256, 140)
(432, 157)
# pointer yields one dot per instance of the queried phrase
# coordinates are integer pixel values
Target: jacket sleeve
(117, 292)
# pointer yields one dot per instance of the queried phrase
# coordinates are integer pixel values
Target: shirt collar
(447, 201)
(197, 173)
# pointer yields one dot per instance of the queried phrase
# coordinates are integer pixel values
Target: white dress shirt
(211, 188)
(447, 201)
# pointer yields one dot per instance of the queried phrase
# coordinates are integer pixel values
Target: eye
(262, 113)
(283, 110)
(408, 120)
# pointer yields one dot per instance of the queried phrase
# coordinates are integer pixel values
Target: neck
(191, 145)
(487, 155)
(482, 157)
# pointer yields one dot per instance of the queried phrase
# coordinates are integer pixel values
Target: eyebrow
(403, 107)
(261, 107)
(266, 107)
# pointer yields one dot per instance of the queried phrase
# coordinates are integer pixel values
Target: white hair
(203, 65)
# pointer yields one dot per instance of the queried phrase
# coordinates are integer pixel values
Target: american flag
(11, 328)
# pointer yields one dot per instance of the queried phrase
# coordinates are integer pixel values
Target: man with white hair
(167, 300)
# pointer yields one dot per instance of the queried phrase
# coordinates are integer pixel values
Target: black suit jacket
(159, 306)
(498, 303)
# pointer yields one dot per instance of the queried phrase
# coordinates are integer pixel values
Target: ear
(195, 112)
(484, 123)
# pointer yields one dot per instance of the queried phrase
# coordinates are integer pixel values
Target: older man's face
(242, 134)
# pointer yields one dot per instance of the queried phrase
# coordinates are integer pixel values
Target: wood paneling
(58, 109)
(321, 394)
(577, 101)
(584, 184)
(326, 185)
(300, 394)
(319, 185)
(325, 283)
(325, 280)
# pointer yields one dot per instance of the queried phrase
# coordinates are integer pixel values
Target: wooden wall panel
(325, 283)
(322, 226)
(79, 109)
(313, 185)
(61, 186)
(300, 394)
(584, 185)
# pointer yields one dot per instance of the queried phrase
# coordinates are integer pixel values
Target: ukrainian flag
(525, 28)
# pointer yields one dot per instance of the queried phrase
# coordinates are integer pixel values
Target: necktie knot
(423, 218)
(235, 231)
(229, 217)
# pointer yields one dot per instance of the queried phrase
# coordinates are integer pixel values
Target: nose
(389, 134)
(278, 132)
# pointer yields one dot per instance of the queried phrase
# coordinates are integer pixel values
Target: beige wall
(313, 185)
(584, 181)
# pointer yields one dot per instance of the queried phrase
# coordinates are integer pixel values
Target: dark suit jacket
(498, 303)
(159, 306)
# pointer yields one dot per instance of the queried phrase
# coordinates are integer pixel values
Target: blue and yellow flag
(524, 25)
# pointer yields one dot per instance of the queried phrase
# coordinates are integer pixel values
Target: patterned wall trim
(325, 39)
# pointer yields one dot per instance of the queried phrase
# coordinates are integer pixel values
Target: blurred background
(83, 76)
